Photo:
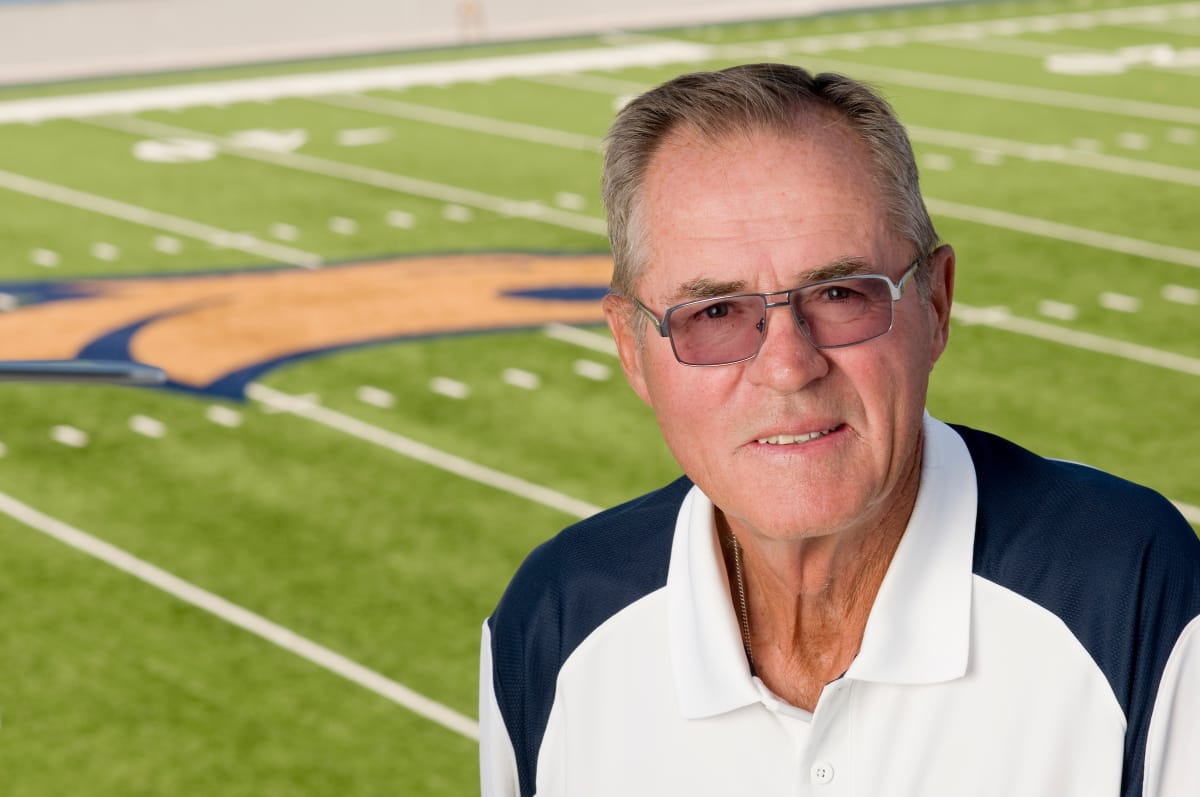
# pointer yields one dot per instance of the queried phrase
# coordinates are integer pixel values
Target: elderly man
(843, 596)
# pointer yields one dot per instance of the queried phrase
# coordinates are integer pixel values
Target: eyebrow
(704, 288)
(841, 267)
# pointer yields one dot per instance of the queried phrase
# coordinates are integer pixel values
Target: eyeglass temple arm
(661, 326)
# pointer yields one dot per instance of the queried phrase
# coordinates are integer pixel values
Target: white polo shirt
(963, 685)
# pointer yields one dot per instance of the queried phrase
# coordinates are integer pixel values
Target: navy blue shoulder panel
(566, 588)
(1114, 560)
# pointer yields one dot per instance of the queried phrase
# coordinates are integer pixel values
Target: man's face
(764, 213)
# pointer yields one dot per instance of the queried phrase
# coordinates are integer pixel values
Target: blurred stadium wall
(44, 40)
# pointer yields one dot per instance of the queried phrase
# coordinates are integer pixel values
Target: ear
(941, 266)
(621, 317)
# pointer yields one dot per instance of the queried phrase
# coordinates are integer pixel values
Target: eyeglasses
(830, 313)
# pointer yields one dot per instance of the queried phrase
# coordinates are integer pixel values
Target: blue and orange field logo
(215, 333)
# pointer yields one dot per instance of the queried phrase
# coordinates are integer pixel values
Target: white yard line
(970, 31)
(157, 220)
(412, 186)
(1048, 153)
(1064, 232)
(420, 452)
(464, 121)
(950, 138)
(236, 615)
(539, 212)
(999, 319)
(349, 81)
(1043, 50)
(648, 51)
(1011, 92)
(581, 337)
(1027, 150)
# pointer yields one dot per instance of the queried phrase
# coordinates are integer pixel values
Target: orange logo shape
(215, 333)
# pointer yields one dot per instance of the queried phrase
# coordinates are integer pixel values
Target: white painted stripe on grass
(224, 416)
(987, 149)
(1080, 155)
(167, 244)
(376, 397)
(46, 258)
(102, 250)
(153, 218)
(590, 369)
(1120, 302)
(997, 319)
(148, 427)
(534, 211)
(581, 337)
(69, 436)
(236, 615)
(450, 388)
(343, 226)
(1064, 232)
(421, 452)
(401, 219)
(1181, 295)
(1060, 310)
(349, 81)
(519, 377)
(458, 214)
(464, 121)
(1011, 92)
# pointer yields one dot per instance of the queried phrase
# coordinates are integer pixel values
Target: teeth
(787, 439)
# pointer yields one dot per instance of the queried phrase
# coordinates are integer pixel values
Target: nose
(786, 361)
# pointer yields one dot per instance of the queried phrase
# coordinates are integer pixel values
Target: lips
(796, 439)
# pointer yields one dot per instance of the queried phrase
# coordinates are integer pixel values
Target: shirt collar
(918, 631)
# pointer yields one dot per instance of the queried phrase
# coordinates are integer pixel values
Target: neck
(806, 601)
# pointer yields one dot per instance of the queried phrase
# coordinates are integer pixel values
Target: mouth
(797, 439)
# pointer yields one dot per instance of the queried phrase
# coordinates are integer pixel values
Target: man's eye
(838, 293)
(715, 310)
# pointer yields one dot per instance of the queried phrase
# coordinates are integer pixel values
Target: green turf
(394, 563)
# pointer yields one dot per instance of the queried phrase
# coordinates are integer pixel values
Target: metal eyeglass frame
(896, 288)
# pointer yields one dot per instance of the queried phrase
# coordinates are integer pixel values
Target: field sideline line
(656, 51)
(309, 84)
(1027, 150)
(1012, 92)
(1064, 232)
(998, 318)
(236, 615)
(515, 208)
(967, 32)
(420, 452)
(540, 212)
(582, 338)
(463, 121)
(1038, 153)
(158, 220)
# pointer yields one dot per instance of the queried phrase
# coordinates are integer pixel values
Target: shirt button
(822, 772)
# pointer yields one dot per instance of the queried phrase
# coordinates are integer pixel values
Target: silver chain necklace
(741, 588)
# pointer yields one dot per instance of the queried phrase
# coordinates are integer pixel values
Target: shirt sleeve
(1172, 763)
(497, 761)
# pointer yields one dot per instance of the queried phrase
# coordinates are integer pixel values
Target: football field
(374, 283)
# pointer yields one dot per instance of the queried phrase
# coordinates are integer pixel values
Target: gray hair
(751, 98)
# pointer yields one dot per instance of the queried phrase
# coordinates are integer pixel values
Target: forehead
(761, 207)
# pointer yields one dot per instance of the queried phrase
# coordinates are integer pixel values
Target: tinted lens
(844, 311)
(716, 331)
